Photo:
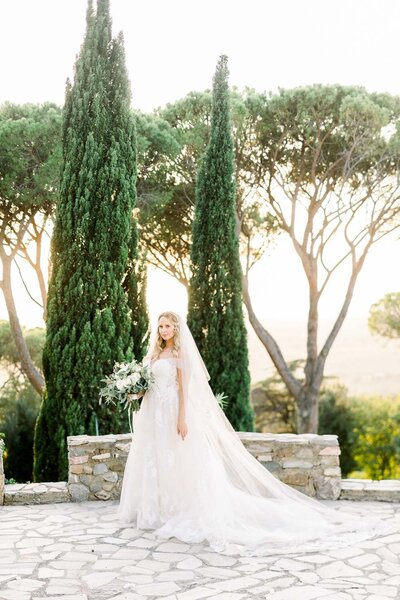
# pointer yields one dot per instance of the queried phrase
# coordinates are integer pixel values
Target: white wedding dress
(182, 488)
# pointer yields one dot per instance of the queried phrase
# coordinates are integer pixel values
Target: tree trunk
(307, 401)
(39, 274)
(307, 409)
(34, 376)
(306, 395)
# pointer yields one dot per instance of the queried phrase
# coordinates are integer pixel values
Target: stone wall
(307, 462)
(36, 493)
(96, 466)
(384, 490)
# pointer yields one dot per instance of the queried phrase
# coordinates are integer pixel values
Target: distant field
(364, 363)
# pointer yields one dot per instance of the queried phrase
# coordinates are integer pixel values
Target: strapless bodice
(165, 375)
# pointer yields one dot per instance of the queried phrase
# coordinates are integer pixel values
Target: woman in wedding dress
(189, 476)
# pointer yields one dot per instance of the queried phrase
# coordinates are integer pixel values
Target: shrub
(377, 443)
(274, 408)
(17, 427)
(337, 416)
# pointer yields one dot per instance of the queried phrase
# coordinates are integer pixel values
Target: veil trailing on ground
(301, 522)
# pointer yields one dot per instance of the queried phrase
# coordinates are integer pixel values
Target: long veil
(314, 526)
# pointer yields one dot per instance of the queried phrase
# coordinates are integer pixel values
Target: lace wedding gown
(181, 488)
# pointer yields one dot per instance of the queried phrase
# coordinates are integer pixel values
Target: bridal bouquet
(126, 385)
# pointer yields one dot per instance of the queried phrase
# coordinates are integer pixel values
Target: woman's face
(165, 328)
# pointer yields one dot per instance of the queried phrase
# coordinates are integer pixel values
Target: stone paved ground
(80, 552)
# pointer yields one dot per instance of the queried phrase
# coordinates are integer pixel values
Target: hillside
(364, 363)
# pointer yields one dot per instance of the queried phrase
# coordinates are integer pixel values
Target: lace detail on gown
(180, 488)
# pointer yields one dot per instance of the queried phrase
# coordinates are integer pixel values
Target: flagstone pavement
(81, 552)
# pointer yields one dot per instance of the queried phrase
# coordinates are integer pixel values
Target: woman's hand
(182, 428)
(136, 396)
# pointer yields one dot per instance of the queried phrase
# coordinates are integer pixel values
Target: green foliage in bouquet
(222, 400)
(126, 381)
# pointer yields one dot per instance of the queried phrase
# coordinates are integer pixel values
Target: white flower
(134, 378)
(121, 384)
(125, 378)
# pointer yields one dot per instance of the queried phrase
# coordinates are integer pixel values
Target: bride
(189, 476)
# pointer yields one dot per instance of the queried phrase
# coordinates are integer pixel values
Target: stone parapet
(307, 462)
(36, 493)
(385, 490)
(96, 466)
(49, 493)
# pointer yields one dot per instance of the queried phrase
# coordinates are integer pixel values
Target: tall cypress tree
(136, 287)
(92, 252)
(215, 313)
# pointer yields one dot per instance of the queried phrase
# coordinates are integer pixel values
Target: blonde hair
(159, 343)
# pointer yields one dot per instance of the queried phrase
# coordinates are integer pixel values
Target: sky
(172, 47)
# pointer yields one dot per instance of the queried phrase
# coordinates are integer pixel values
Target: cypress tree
(92, 251)
(136, 286)
(215, 314)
